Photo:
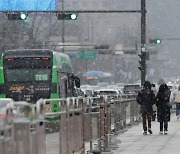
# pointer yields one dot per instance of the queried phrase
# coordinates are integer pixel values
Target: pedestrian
(163, 107)
(154, 89)
(146, 99)
(175, 98)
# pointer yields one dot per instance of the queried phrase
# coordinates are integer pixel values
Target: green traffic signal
(67, 16)
(73, 16)
(23, 16)
(155, 41)
(17, 16)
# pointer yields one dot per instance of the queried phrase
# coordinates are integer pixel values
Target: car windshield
(108, 93)
(131, 88)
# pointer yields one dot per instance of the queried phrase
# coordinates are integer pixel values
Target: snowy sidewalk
(134, 142)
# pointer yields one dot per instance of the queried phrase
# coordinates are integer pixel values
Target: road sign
(87, 54)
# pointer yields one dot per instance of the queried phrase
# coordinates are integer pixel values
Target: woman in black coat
(146, 99)
(163, 108)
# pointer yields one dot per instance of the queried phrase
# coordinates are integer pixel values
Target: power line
(70, 11)
(170, 39)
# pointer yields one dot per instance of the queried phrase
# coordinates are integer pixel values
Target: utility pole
(143, 42)
(63, 28)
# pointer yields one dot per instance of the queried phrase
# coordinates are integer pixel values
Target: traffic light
(142, 65)
(17, 16)
(23, 16)
(144, 56)
(155, 41)
(67, 16)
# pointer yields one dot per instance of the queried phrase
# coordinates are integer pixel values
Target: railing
(22, 132)
(85, 125)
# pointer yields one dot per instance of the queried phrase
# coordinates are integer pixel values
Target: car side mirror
(77, 82)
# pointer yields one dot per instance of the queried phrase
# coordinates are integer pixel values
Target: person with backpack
(146, 100)
(163, 107)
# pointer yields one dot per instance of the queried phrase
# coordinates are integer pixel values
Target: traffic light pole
(143, 25)
(63, 24)
(143, 40)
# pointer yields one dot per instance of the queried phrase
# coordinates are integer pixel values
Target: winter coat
(163, 110)
(146, 99)
(175, 96)
(155, 91)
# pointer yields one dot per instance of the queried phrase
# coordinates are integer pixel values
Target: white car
(131, 88)
(107, 92)
(88, 92)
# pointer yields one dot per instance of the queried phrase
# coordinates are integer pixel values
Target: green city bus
(31, 74)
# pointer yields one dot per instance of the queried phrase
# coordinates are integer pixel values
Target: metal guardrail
(84, 124)
(21, 130)
(6, 127)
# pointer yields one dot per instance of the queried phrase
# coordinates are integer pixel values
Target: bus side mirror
(77, 81)
(2, 89)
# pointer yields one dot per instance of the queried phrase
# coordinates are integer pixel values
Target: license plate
(48, 108)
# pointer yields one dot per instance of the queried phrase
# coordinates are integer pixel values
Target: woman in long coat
(163, 107)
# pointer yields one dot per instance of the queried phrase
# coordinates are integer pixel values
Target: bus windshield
(28, 75)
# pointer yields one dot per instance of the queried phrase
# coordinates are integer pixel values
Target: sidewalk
(134, 142)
